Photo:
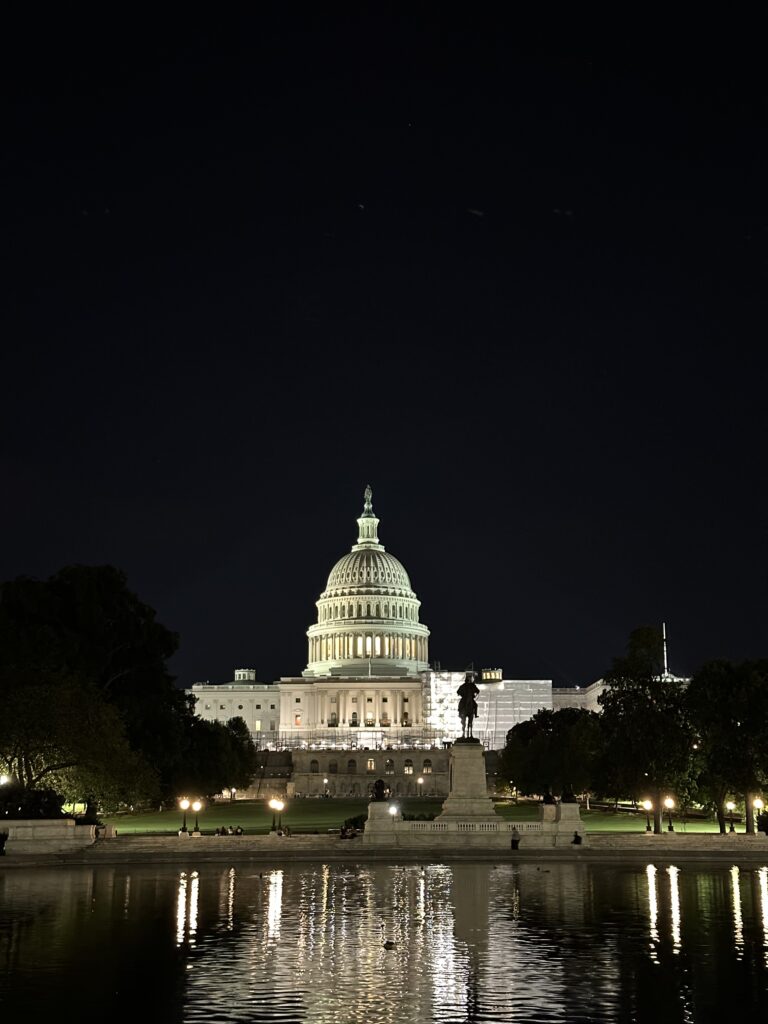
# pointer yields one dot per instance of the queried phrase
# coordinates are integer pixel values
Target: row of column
(346, 646)
(394, 710)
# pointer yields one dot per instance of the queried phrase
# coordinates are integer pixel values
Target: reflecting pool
(370, 943)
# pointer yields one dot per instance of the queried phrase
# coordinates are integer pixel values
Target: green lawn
(309, 815)
(253, 815)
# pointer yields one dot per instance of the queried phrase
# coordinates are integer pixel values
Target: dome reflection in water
(371, 943)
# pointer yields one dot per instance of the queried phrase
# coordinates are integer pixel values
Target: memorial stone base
(467, 798)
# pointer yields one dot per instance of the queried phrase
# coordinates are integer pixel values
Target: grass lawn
(309, 815)
(306, 815)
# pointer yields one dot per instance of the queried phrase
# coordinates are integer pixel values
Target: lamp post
(730, 807)
(420, 784)
(669, 803)
(196, 808)
(4, 780)
(393, 811)
(279, 805)
(184, 805)
(647, 807)
(273, 804)
(758, 804)
(325, 784)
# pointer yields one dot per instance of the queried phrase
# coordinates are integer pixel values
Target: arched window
(408, 766)
(389, 766)
(378, 611)
(359, 611)
(386, 611)
(343, 611)
(351, 766)
(314, 767)
(349, 613)
(368, 611)
(333, 767)
(427, 769)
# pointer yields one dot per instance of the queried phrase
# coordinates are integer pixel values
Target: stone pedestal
(567, 821)
(467, 798)
(41, 835)
(380, 826)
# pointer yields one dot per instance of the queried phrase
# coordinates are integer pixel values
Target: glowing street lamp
(4, 780)
(420, 784)
(277, 810)
(730, 807)
(669, 803)
(758, 804)
(196, 808)
(184, 805)
(393, 811)
(647, 807)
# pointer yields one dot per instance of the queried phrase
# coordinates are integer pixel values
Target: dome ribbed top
(368, 568)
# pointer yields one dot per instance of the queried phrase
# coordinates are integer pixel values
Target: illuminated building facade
(368, 683)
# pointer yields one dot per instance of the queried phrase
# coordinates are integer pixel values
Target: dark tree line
(90, 709)
(656, 736)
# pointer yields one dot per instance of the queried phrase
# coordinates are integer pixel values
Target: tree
(728, 707)
(84, 663)
(648, 739)
(555, 752)
(218, 757)
(58, 734)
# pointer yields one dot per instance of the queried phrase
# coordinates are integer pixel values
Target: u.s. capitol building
(368, 683)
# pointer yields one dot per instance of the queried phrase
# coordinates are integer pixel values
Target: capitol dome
(368, 615)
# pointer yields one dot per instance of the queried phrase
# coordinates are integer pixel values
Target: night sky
(252, 267)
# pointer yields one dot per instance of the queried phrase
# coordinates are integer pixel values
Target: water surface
(369, 943)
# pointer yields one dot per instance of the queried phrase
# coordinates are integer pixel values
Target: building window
(389, 766)
(427, 769)
(371, 766)
(351, 767)
(333, 767)
(222, 707)
(354, 700)
(368, 700)
(298, 700)
(207, 707)
(297, 719)
(405, 700)
(239, 707)
(271, 726)
(258, 707)
(385, 700)
(408, 766)
(314, 767)
(271, 707)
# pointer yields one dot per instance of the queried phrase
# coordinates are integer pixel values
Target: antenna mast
(664, 638)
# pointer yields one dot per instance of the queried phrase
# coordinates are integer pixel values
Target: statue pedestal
(467, 798)
(380, 825)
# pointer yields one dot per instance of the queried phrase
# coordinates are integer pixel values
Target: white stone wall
(257, 703)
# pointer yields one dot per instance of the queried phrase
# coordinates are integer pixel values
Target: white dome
(367, 611)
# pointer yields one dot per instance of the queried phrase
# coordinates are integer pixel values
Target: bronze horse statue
(468, 691)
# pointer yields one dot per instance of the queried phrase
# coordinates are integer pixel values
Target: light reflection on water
(388, 944)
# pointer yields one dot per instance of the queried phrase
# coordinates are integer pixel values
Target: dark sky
(253, 266)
